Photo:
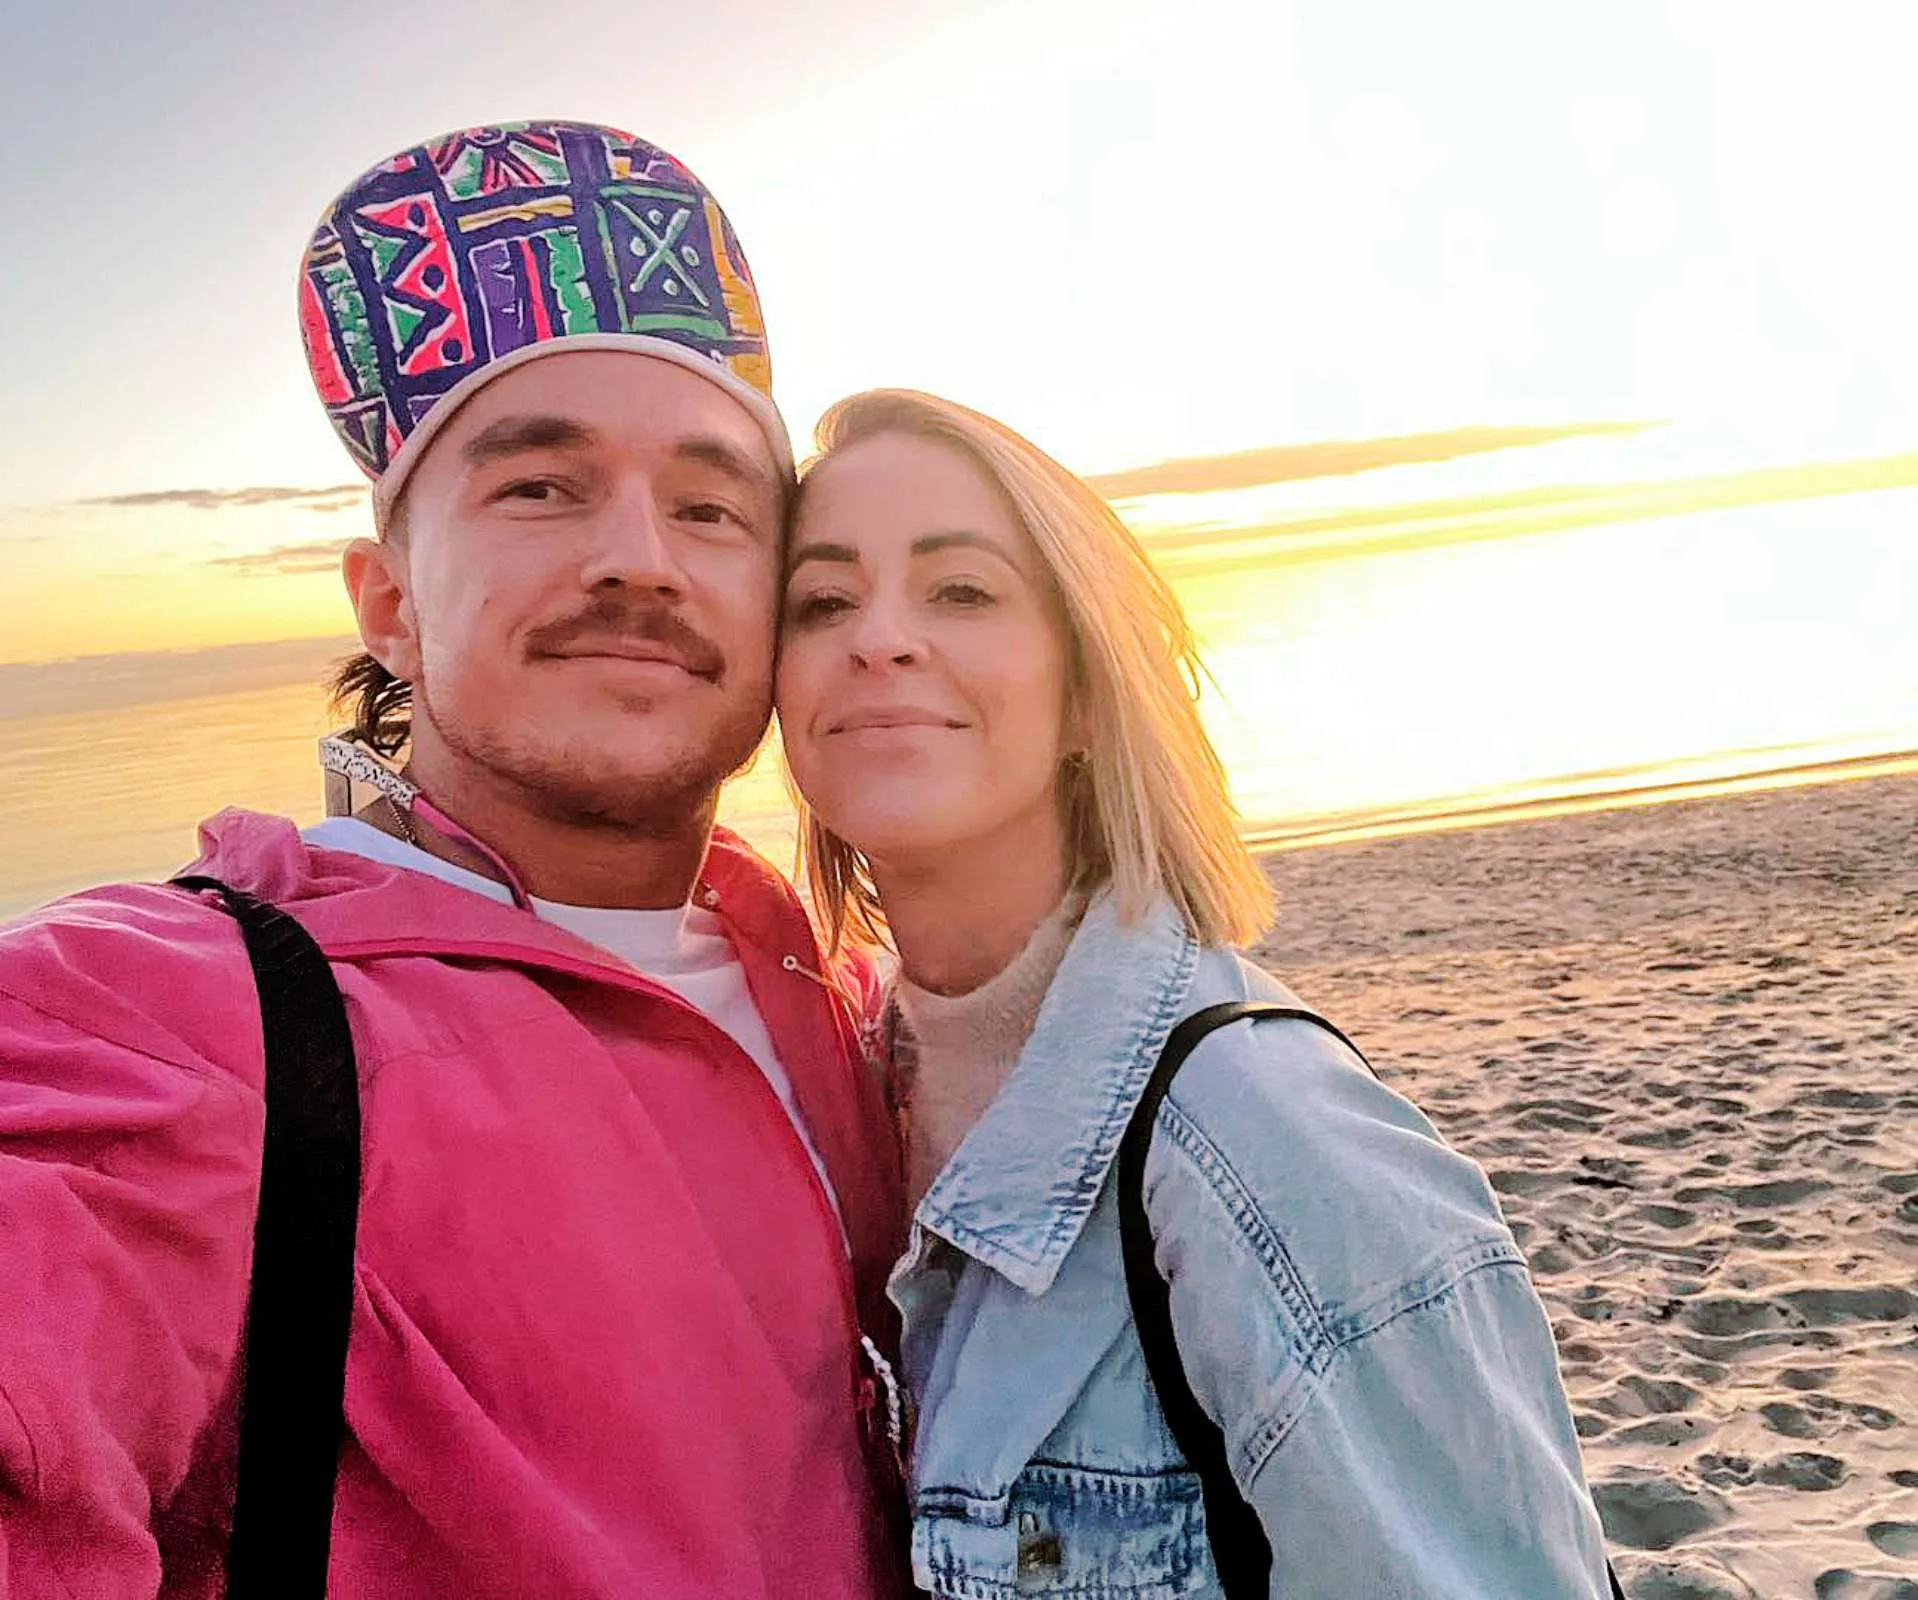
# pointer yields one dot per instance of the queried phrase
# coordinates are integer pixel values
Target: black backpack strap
(300, 1307)
(1240, 1549)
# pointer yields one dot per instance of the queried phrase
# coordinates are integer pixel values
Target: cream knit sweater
(954, 1052)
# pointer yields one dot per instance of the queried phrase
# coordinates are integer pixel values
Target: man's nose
(633, 548)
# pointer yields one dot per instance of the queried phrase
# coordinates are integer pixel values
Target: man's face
(590, 554)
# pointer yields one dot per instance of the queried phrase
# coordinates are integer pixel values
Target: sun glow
(1519, 400)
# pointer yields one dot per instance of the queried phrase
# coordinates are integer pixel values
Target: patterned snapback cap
(468, 255)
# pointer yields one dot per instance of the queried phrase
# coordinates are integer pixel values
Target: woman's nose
(884, 636)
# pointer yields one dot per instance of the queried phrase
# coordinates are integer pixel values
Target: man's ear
(375, 573)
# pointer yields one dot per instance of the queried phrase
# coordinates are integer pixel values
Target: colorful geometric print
(450, 255)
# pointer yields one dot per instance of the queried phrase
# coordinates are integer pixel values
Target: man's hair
(380, 705)
(1144, 802)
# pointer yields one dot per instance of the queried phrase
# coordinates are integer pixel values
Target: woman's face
(922, 682)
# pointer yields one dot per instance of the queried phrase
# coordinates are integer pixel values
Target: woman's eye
(810, 609)
(964, 592)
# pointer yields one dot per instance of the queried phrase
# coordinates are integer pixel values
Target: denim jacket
(1351, 1308)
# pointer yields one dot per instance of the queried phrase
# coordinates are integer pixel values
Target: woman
(986, 699)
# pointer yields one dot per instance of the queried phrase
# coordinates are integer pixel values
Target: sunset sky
(1138, 231)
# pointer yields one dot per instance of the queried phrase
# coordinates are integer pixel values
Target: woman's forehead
(888, 482)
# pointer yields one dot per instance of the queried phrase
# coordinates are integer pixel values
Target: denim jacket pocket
(1067, 1531)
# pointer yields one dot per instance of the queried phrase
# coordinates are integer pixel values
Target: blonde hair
(1145, 807)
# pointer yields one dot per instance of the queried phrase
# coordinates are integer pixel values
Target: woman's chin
(892, 833)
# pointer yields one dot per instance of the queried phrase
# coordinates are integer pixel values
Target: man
(626, 1186)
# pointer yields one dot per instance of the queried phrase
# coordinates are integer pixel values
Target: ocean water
(1358, 684)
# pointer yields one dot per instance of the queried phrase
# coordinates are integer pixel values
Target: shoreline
(1470, 812)
(1463, 814)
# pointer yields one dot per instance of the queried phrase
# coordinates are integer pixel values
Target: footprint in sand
(1727, 1316)
(1843, 1584)
(1688, 1579)
(1659, 1138)
(1820, 1414)
(1804, 1469)
(1736, 1346)
(1662, 1431)
(1822, 1307)
(1895, 1538)
(1658, 1395)
(1845, 1099)
(1790, 1420)
(1778, 1192)
(1647, 1511)
(1801, 1469)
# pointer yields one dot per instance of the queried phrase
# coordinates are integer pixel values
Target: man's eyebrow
(722, 455)
(510, 435)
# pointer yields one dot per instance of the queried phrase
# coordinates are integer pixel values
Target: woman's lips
(891, 719)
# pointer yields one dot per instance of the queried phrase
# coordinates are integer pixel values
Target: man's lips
(645, 651)
(613, 627)
(883, 717)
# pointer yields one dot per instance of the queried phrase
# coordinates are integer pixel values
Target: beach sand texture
(1681, 1039)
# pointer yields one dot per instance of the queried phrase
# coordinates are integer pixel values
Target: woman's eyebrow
(822, 551)
(927, 543)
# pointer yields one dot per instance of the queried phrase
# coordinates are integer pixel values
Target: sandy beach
(1681, 1040)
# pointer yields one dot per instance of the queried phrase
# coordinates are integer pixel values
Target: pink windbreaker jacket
(605, 1336)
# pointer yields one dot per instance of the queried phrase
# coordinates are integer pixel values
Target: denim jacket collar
(1017, 1192)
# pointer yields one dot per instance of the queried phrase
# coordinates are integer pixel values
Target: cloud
(336, 497)
(1283, 463)
(1375, 530)
(318, 555)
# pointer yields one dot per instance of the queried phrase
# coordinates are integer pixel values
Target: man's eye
(533, 491)
(711, 512)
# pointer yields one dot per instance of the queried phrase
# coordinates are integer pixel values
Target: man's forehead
(608, 400)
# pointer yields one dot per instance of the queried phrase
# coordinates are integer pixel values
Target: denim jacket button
(1040, 1554)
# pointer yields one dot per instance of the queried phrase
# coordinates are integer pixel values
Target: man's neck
(572, 863)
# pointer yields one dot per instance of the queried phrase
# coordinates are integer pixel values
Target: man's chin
(660, 783)
(642, 800)
(649, 771)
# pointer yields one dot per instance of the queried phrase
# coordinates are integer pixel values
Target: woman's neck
(959, 920)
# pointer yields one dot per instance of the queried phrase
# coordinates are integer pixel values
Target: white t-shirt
(683, 948)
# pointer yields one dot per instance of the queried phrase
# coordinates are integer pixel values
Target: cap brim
(387, 488)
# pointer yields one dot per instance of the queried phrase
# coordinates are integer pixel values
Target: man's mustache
(611, 620)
